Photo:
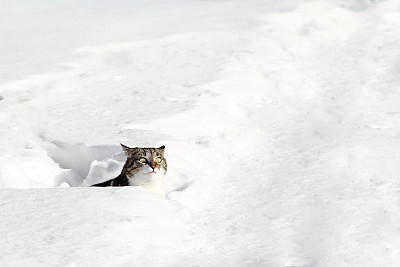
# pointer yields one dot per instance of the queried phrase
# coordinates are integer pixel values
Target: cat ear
(125, 148)
(162, 148)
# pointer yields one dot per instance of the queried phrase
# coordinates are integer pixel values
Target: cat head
(144, 160)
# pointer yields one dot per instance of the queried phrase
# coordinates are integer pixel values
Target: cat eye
(142, 160)
(158, 160)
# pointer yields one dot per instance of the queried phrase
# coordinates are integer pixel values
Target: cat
(145, 167)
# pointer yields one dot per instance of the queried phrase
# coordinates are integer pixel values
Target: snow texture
(281, 121)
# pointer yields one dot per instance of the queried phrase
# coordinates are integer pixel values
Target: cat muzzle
(152, 170)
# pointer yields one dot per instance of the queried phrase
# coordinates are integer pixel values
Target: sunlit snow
(281, 121)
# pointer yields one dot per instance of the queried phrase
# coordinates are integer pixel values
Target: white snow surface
(281, 121)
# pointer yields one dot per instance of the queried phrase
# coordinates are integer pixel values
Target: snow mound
(101, 171)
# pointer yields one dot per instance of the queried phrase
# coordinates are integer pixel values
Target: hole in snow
(101, 162)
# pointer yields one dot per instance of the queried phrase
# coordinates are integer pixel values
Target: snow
(280, 121)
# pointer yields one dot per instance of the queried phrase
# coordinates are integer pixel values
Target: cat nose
(153, 164)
